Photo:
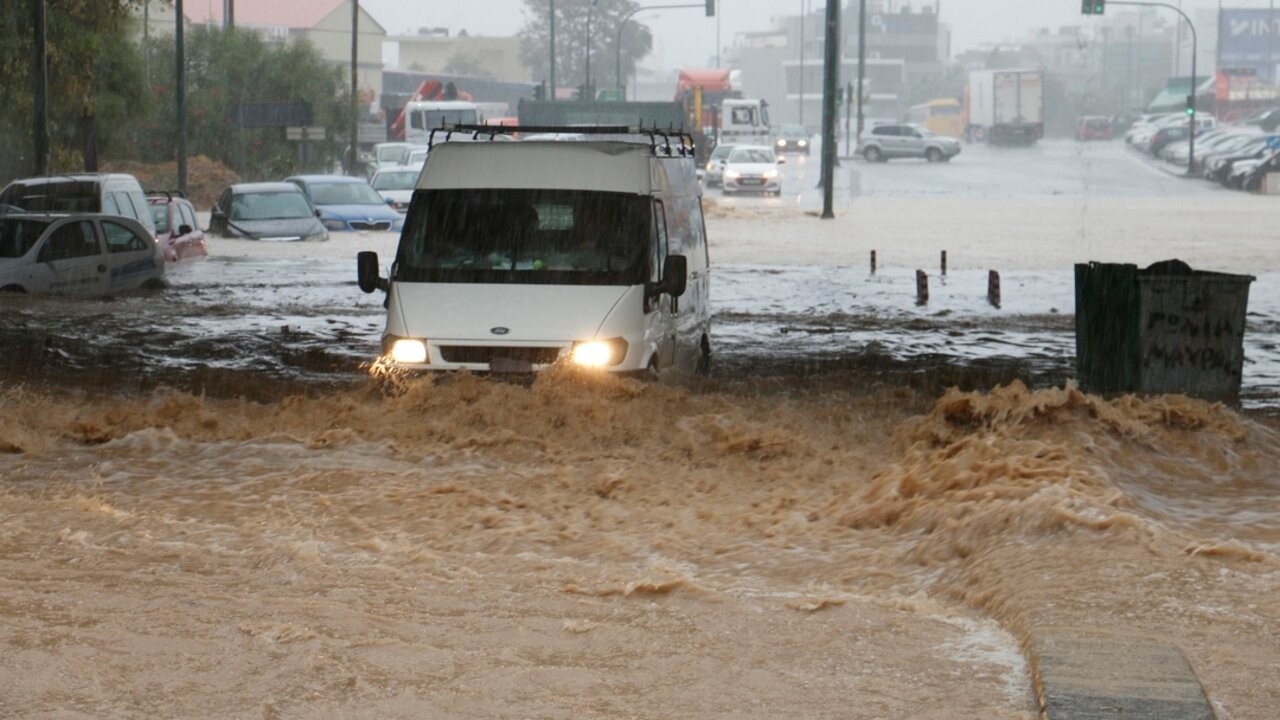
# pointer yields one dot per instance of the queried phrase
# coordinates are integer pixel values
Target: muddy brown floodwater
(591, 547)
(209, 509)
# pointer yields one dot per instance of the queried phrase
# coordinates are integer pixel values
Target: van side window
(73, 240)
(109, 206)
(140, 212)
(121, 239)
(658, 253)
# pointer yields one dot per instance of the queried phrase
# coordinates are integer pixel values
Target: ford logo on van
(499, 330)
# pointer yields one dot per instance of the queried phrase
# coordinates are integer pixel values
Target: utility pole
(228, 14)
(830, 86)
(1271, 41)
(552, 94)
(1191, 95)
(40, 82)
(586, 87)
(352, 167)
(862, 62)
(181, 87)
(802, 19)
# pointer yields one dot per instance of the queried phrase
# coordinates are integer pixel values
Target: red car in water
(1094, 127)
(178, 232)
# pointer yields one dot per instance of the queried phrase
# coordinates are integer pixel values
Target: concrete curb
(1085, 675)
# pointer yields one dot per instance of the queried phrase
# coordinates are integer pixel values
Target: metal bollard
(993, 288)
(944, 262)
(873, 262)
(922, 288)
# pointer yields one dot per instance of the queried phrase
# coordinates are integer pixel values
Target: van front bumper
(615, 355)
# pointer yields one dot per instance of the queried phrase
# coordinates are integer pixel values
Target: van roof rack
(668, 142)
(168, 194)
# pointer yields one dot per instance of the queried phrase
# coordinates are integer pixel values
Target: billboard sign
(1247, 39)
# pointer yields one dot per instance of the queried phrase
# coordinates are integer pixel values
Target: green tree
(94, 81)
(226, 68)
(571, 40)
(460, 63)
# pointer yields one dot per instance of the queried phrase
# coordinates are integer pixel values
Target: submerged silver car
(77, 254)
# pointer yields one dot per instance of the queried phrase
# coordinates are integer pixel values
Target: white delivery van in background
(518, 255)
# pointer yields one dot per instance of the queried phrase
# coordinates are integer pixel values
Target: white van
(518, 255)
(107, 193)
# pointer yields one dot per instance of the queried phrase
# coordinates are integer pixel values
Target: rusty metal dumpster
(1162, 329)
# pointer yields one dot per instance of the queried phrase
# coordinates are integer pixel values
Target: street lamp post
(1191, 97)
(552, 3)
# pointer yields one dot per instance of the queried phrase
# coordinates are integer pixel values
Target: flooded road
(210, 509)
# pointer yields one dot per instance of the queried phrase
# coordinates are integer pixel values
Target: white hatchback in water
(752, 168)
(82, 254)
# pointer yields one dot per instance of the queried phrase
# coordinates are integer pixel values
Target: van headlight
(771, 174)
(600, 353)
(803, 143)
(408, 351)
(732, 174)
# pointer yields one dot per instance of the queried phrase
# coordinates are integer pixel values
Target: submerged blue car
(347, 203)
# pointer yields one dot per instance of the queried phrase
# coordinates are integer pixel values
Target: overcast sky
(687, 37)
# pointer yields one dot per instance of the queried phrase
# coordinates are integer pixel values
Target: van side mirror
(216, 212)
(184, 230)
(318, 212)
(675, 276)
(367, 272)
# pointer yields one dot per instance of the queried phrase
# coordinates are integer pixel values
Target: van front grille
(488, 353)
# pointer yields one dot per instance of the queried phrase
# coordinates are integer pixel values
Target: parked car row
(1238, 155)
(96, 233)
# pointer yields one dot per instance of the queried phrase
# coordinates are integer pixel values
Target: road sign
(304, 132)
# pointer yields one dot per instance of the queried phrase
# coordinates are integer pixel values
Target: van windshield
(552, 237)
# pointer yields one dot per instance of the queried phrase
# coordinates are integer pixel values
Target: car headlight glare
(600, 353)
(409, 350)
(803, 143)
(732, 174)
(771, 174)
(781, 143)
(334, 224)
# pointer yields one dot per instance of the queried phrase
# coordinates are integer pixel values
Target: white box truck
(1005, 107)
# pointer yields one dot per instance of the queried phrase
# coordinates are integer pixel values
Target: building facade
(438, 52)
(906, 46)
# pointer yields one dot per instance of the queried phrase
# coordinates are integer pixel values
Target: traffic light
(1191, 106)
(711, 8)
(1093, 7)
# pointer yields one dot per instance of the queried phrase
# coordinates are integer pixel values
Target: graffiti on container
(1189, 340)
